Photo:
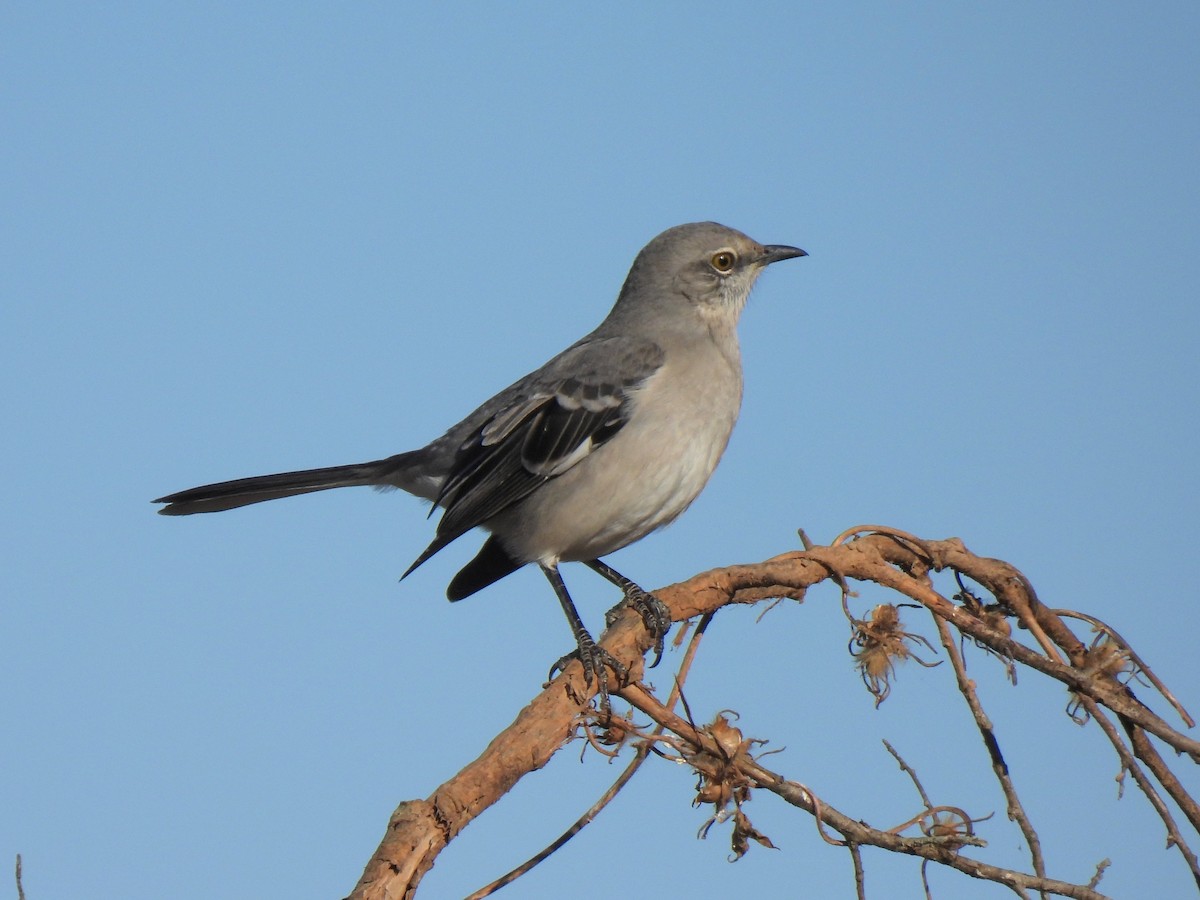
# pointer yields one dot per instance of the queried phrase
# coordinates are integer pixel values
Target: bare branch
(641, 753)
(1129, 764)
(420, 829)
(935, 848)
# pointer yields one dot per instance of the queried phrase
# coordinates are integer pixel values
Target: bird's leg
(654, 613)
(594, 658)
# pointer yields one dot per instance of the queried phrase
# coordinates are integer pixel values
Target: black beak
(775, 252)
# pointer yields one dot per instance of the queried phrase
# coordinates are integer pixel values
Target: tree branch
(420, 829)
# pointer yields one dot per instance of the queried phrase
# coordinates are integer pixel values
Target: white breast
(644, 477)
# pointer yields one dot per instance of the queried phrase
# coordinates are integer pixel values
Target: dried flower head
(1105, 658)
(722, 783)
(877, 643)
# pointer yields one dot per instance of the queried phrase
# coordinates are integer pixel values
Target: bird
(610, 440)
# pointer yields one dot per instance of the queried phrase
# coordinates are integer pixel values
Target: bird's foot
(655, 615)
(596, 662)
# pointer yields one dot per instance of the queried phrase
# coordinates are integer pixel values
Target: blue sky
(249, 238)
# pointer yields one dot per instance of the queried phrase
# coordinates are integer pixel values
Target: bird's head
(710, 267)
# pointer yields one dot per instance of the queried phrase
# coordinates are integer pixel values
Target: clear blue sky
(246, 238)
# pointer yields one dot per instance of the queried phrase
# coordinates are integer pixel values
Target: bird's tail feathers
(404, 471)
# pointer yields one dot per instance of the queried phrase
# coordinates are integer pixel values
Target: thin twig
(1100, 868)
(911, 541)
(860, 880)
(966, 687)
(911, 774)
(1130, 765)
(640, 754)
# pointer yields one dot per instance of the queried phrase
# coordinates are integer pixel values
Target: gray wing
(540, 428)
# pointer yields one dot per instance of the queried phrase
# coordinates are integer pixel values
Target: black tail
(244, 491)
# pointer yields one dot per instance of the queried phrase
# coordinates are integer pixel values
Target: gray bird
(608, 441)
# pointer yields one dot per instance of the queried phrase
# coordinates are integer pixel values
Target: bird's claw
(596, 662)
(655, 616)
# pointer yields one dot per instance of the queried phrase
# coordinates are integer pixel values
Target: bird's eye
(723, 261)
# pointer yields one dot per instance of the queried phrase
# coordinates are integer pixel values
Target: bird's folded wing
(554, 420)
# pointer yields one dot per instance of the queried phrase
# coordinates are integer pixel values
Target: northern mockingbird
(608, 441)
